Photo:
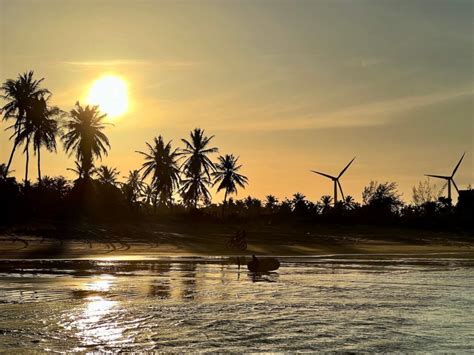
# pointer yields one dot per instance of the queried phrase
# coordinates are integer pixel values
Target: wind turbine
(335, 179)
(450, 179)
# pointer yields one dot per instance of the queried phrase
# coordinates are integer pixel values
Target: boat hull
(263, 265)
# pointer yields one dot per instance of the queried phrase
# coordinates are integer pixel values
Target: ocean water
(332, 303)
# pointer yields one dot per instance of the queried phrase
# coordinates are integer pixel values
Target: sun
(110, 93)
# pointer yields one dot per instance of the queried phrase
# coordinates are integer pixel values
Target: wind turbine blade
(340, 189)
(455, 186)
(438, 176)
(344, 170)
(323, 174)
(457, 166)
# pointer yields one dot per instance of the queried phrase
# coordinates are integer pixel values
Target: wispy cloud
(296, 117)
(127, 62)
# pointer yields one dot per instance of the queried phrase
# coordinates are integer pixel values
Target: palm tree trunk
(27, 159)
(11, 157)
(39, 165)
(224, 203)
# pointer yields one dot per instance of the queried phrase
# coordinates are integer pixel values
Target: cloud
(126, 62)
(293, 117)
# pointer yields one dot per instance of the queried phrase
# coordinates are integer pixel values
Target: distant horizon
(288, 88)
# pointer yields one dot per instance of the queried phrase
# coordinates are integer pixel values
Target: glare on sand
(110, 93)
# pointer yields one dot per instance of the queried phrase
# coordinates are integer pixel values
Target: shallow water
(384, 303)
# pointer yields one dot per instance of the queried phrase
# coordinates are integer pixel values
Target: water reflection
(92, 322)
(102, 283)
(93, 325)
(160, 289)
(194, 305)
(188, 277)
(263, 276)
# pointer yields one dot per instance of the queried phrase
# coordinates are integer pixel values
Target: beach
(49, 240)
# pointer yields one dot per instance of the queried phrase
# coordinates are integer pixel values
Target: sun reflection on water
(102, 283)
(95, 323)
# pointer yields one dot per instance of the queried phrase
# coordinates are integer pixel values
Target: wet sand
(48, 241)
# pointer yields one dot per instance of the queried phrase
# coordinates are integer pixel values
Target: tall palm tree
(197, 167)
(106, 175)
(227, 177)
(161, 162)
(40, 128)
(84, 136)
(19, 94)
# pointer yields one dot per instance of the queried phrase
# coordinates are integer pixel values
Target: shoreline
(144, 241)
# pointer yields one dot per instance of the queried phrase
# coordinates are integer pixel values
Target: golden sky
(288, 86)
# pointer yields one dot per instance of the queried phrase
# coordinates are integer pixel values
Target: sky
(288, 86)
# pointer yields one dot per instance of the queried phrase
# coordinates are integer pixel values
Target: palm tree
(197, 167)
(84, 136)
(151, 195)
(40, 127)
(299, 203)
(349, 202)
(78, 170)
(161, 162)
(194, 188)
(227, 177)
(106, 175)
(271, 202)
(326, 201)
(133, 186)
(18, 93)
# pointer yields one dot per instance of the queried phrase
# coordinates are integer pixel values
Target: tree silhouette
(106, 175)
(227, 177)
(150, 194)
(40, 128)
(133, 186)
(77, 170)
(197, 167)
(424, 193)
(271, 203)
(349, 202)
(194, 189)
(84, 136)
(299, 203)
(326, 201)
(382, 198)
(19, 94)
(161, 162)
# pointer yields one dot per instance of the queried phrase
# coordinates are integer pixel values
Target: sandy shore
(45, 240)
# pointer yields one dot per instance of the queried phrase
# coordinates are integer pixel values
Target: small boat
(263, 265)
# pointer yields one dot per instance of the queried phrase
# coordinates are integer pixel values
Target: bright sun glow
(111, 94)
